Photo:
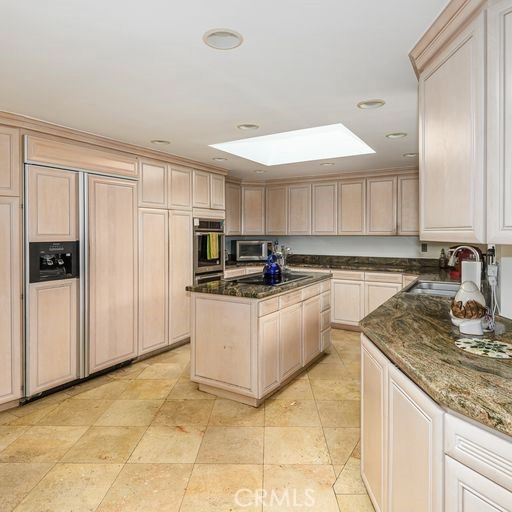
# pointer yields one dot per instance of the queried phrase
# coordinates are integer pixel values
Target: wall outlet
(424, 247)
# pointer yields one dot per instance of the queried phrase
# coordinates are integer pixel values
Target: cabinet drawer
(310, 291)
(325, 286)
(348, 275)
(326, 320)
(325, 301)
(268, 306)
(488, 454)
(383, 277)
(290, 298)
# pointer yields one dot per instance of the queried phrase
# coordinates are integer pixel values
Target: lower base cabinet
(468, 491)
(290, 349)
(312, 341)
(377, 293)
(269, 352)
(347, 302)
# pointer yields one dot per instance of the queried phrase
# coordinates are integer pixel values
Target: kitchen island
(248, 340)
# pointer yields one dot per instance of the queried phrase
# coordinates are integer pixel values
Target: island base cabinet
(290, 354)
(467, 491)
(269, 353)
(312, 344)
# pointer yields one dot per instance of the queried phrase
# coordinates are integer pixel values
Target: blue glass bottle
(272, 270)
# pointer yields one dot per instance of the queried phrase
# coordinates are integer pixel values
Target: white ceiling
(137, 70)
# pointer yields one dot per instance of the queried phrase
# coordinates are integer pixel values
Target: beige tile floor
(144, 438)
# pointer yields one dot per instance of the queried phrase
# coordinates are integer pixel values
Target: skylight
(322, 142)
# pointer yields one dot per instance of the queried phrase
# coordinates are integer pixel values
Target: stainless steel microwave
(251, 250)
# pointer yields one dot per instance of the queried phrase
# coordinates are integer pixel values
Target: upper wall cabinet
(325, 209)
(201, 189)
(452, 140)
(10, 162)
(352, 207)
(299, 209)
(217, 192)
(180, 188)
(276, 210)
(408, 207)
(381, 206)
(499, 123)
(153, 187)
(253, 210)
(233, 209)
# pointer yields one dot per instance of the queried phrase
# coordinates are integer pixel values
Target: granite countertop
(250, 291)
(416, 334)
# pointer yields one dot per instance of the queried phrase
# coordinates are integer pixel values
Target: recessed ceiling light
(326, 164)
(248, 126)
(396, 135)
(219, 159)
(319, 143)
(222, 39)
(160, 141)
(410, 155)
(260, 171)
(366, 104)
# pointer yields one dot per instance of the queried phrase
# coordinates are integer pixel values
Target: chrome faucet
(453, 257)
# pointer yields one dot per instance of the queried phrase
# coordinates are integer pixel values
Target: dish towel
(212, 246)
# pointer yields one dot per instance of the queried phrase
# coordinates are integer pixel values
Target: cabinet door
(299, 210)
(201, 189)
(276, 210)
(52, 205)
(352, 207)
(408, 205)
(415, 427)
(52, 335)
(253, 210)
(452, 135)
(312, 340)
(378, 293)
(499, 122)
(217, 192)
(381, 206)
(10, 300)
(153, 279)
(180, 275)
(180, 188)
(153, 186)
(10, 161)
(113, 272)
(268, 353)
(233, 209)
(325, 209)
(347, 302)
(374, 375)
(290, 347)
(467, 491)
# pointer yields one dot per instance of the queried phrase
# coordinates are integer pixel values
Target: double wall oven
(208, 250)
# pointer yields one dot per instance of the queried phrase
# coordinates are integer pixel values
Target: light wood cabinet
(180, 188)
(217, 192)
(499, 119)
(415, 427)
(153, 187)
(52, 335)
(10, 161)
(10, 300)
(153, 279)
(452, 140)
(381, 206)
(299, 209)
(468, 491)
(325, 209)
(377, 293)
(113, 271)
(290, 348)
(408, 205)
(253, 210)
(201, 189)
(374, 376)
(347, 302)
(234, 272)
(276, 210)
(180, 273)
(268, 358)
(233, 209)
(53, 198)
(312, 341)
(352, 207)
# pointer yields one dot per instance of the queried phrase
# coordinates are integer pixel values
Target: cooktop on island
(260, 279)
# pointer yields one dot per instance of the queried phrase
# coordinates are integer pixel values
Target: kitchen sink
(437, 288)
